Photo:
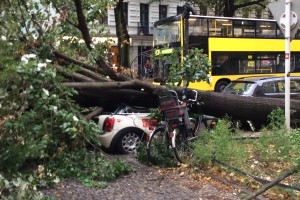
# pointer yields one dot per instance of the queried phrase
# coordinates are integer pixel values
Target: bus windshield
(166, 34)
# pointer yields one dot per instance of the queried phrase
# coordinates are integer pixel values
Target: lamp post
(287, 62)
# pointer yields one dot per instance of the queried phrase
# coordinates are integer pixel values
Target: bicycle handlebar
(184, 98)
(189, 100)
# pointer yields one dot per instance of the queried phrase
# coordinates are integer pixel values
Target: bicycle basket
(169, 104)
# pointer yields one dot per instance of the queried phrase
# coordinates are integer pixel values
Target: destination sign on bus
(163, 51)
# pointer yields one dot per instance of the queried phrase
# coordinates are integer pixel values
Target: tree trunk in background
(229, 8)
(122, 34)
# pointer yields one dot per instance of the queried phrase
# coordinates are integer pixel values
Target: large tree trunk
(255, 109)
(139, 93)
(123, 36)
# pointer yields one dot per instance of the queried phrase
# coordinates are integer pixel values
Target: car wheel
(221, 85)
(129, 141)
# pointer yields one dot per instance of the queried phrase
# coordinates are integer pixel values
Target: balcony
(144, 29)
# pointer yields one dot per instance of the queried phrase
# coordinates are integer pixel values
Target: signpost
(286, 14)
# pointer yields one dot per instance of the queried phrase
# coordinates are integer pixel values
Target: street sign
(294, 20)
(278, 11)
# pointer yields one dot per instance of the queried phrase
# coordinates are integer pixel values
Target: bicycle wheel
(159, 149)
(182, 146)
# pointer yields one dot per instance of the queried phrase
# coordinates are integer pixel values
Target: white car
(124, 129)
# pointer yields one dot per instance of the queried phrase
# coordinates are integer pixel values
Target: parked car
(125, 128)
(271, 86)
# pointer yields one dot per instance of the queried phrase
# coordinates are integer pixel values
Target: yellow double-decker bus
(237, 47)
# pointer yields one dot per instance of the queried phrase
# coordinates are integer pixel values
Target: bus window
(247, 67)
(219, 64)
(220, 27)
(279, 33)
(166, 34)
(280, 63)
(265, 64)
(243, 63)
(297, 35)
(265, 29)
(226, 63)
(244, 28)
(198, 27)
(295, 63)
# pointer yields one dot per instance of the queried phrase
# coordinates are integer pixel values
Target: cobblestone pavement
(146, 183)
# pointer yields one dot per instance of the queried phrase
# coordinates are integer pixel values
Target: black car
(271, 86)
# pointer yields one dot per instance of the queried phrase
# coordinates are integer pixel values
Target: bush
(39, 118)
(275, 144)
(43, 134)
(220, 142)
(90, 168)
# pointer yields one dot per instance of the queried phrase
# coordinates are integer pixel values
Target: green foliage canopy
(39, 26)
(229, 7)
(39, 119)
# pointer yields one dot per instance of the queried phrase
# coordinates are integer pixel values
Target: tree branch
(82, 24)
(92, 75)
(99, 69)
(269, 185)
(88, 40)
(77, 62)
(250, 3)
(133, 84)
(22, 15)
(75, 76)
(94, 113)
(63, 15)
(108, 71)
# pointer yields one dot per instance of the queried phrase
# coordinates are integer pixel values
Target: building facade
(140, 16)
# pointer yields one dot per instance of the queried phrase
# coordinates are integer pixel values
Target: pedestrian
(147, 68)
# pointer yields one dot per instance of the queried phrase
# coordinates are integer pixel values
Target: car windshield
(240, 88)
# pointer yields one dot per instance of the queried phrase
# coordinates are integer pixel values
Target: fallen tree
(140, 93)
(246, 108)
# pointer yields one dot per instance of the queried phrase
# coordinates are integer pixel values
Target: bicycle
(173, 137)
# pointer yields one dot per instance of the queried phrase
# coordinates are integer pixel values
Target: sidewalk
(146, 183)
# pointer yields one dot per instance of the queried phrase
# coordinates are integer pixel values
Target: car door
(270, 89)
